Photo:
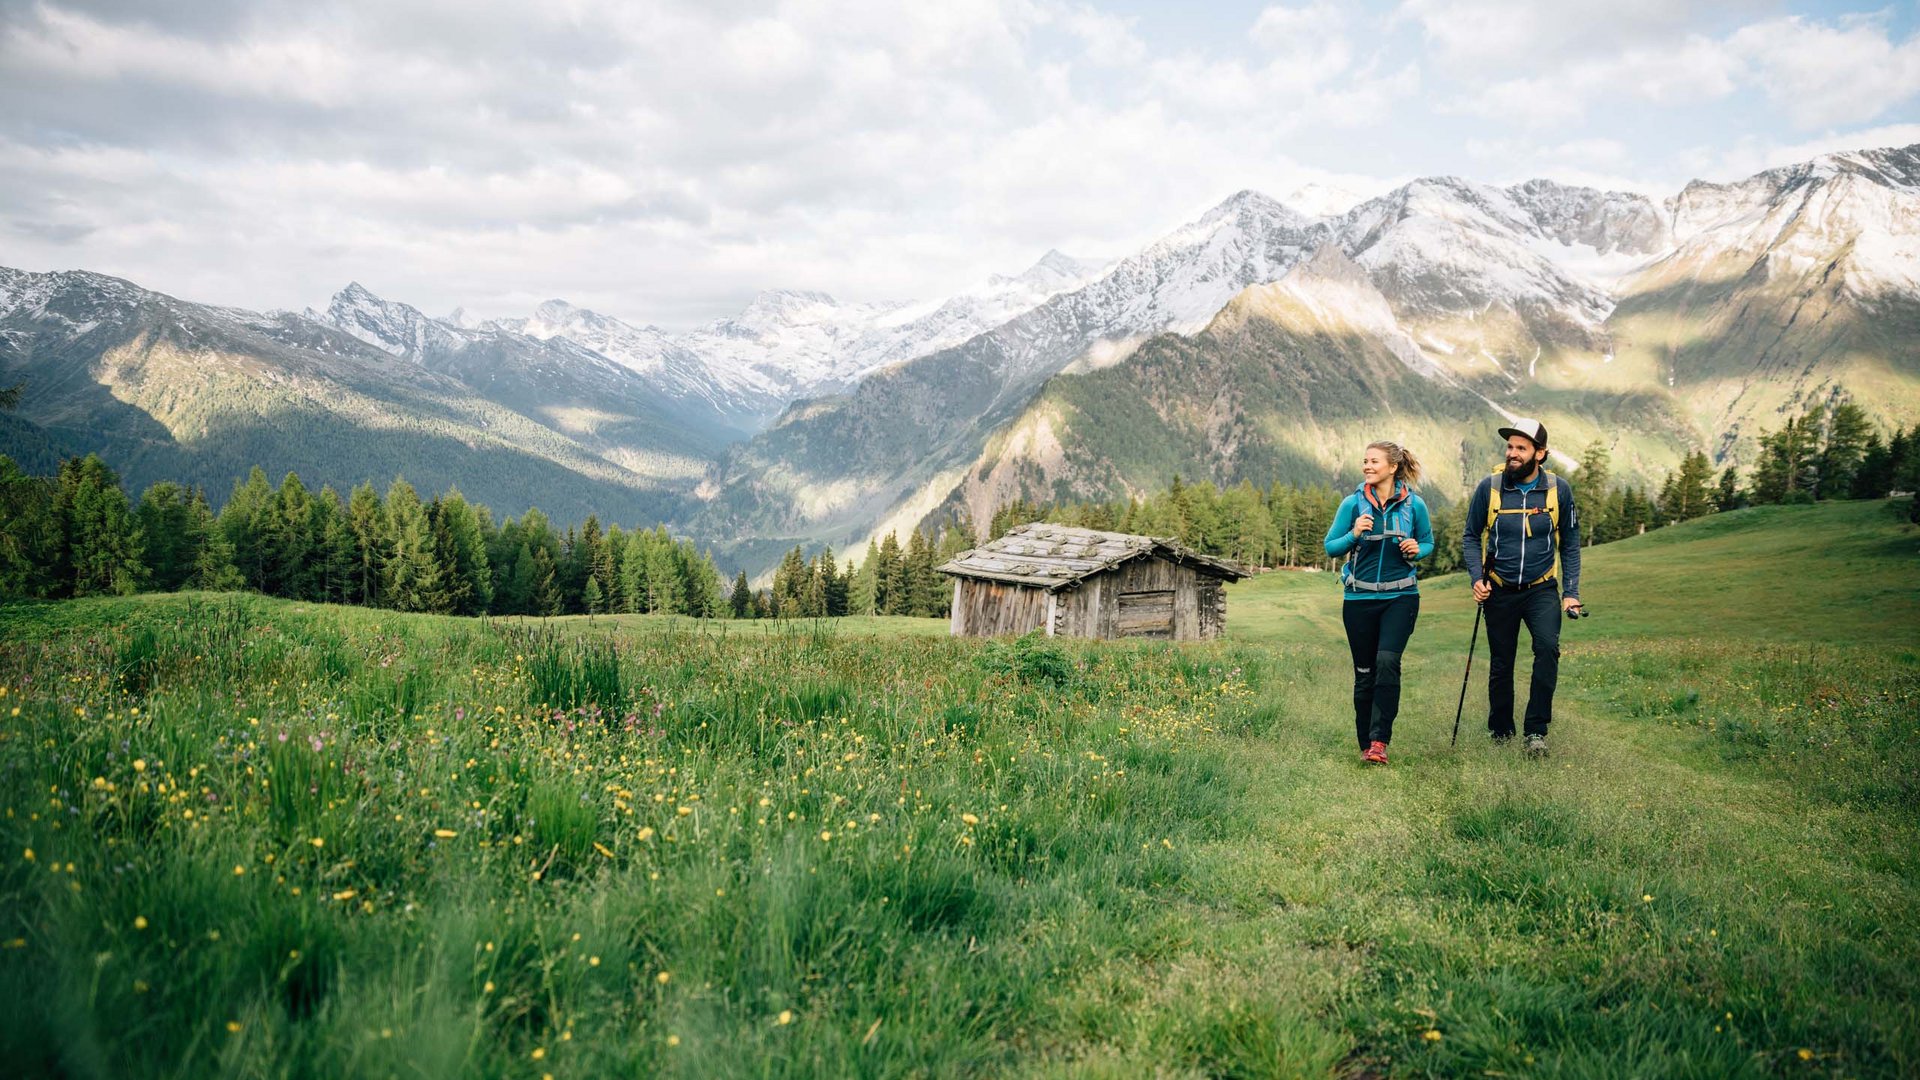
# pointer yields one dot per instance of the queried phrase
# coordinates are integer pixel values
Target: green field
(246, 837)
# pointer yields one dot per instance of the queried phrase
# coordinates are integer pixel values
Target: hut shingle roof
(1053, 557)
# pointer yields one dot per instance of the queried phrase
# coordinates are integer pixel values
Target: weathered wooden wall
(1149, 598)
(1145, 598)
(989, 608)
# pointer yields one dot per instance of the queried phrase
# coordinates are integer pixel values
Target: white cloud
(1481, 38)
(1841, 74)
(667, 159)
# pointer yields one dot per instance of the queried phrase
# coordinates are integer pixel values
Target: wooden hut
(1085, 583)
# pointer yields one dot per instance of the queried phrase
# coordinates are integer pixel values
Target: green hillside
(243, 836)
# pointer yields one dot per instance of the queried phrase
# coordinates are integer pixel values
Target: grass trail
(590, 848)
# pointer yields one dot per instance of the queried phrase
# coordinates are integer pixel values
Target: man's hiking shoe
(1536, 746)
(1502, 738)
(1376, 754)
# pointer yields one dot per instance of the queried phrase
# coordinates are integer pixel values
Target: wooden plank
(1146, 614)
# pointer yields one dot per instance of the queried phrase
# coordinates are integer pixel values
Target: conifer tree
(30, 536)
(470, 577)
(213, 567)
(862, 592)
(1848, 430)
(1726, 495)
(412, 579)
(890, 589)
(742, 599)
(103, 542)
(289, 542)
(1874, 476)
(170, 549)
(372, 543)
(338, 556)
(246, 519)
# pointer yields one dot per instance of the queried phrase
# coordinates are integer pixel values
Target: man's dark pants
(1539, 607)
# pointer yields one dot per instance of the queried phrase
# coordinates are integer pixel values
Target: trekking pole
(1466, 675)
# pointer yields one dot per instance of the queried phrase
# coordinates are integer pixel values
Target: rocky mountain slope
(166, 389)
(1652, 327)
(1255, 342)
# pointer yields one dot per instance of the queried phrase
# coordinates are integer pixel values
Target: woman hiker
(1382, 529)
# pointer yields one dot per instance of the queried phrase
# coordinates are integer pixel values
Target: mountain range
(1257, 342)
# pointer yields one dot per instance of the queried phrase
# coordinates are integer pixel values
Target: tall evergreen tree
(373, 544)
(337, 555)
(103, 542)
(170, 545)
(413, 577)
(891, 588)
(741, 600)
(1727, 495)
(213, 567)
(30, 536)
(1848, 429)
(247, 520)
(290, 542)
(470, 586)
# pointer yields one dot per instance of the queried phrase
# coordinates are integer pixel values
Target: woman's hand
(1363, 525)
(1410, 548)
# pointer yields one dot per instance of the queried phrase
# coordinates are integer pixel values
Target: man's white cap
(1531, 430)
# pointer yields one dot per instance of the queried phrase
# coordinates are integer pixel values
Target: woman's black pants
(1377, 633)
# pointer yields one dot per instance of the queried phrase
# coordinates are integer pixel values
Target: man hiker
(1522, 548)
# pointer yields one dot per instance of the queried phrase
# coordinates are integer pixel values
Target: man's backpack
(1552, 510)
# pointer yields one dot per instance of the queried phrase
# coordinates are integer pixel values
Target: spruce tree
(289, 541)
(247, 521)
(30, 536)
(373, 545)
(412, 577)
(1869, 480)
(742, 599)
(338, 554)
(470, 585)
(1727, 495)
(890, 590)
(862, 590)
(1848, 429)
(103, 543)
(170, 549)
(213, 567)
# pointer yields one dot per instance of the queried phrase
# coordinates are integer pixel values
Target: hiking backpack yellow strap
(1551, 509)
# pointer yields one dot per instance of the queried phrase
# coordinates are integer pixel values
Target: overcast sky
(662, 162)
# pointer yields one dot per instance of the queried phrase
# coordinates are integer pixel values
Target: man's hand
(1410, 548)
(1569, 603)
(1363, 525)
(1481, 590)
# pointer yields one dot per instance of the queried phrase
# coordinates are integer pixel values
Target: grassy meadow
(247, 837)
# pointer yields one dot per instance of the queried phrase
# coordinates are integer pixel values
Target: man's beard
(1517, 473)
